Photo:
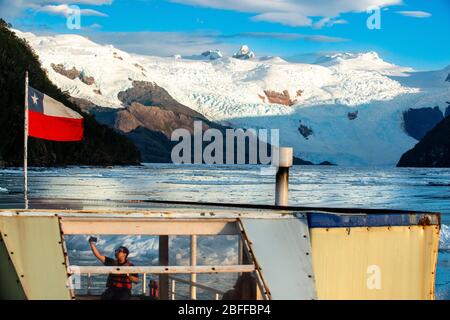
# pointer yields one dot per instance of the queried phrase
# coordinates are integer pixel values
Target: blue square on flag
(35, 100)
(51, 120)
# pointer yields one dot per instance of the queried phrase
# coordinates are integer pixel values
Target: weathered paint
(35, 248)
(282, 250)
(143, 226)
(344, 245)
(163, 269)
(10, 287)
(331, 220)
(348, 262)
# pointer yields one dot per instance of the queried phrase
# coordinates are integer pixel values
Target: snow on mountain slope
(109, 67)
(375, 137)
(368, 61)
(240, 92)
(426, 79)
(219, 88)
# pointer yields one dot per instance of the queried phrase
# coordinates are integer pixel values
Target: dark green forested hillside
(101, 145)
(432, 151)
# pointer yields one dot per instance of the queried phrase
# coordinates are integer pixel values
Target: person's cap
(124, 249)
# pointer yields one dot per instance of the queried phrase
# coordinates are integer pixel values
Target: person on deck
(118, 285)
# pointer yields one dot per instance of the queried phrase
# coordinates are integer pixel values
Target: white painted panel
(282, 250)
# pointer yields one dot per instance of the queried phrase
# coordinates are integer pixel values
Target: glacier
(235, 92)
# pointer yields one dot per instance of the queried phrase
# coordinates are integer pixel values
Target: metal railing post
(144, 284)
(163, 261)
(193, 263)
(173, 289)
(282, 178)
(88, 284)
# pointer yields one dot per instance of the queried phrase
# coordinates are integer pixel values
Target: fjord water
(322, 186)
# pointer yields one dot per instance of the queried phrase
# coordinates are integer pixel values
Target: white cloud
(163, 43)
(292, 12)
(319, 38)
(192, 43)
(415, 14)
(53, 2)
(288, 36)
(66, 10)
(91, 2)
(12, 8)
(328, 22)
(95, 26)
(287, 18)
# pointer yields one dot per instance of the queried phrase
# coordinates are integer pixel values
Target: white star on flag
(35, 99)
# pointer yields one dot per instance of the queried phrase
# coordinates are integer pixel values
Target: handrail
(237, 205)
(198, 285)
(161, 269)
(174, 279)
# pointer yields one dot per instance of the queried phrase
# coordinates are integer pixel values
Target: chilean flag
(51, 120)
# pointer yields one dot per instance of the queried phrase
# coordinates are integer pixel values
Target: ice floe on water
(444, 241)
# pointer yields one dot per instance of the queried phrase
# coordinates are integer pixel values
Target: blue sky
(413, 32)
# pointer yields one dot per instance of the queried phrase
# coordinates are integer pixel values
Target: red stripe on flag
(54, 128)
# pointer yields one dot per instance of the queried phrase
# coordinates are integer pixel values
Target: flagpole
(25, 145)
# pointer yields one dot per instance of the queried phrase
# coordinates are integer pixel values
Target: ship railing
(89, 271)
(173, 280)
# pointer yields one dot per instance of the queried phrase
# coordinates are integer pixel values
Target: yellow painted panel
(375, 263)
(34, 246)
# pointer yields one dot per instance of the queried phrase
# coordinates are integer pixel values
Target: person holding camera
(118, 285)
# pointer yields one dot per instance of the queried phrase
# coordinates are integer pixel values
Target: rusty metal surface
(396, 262)
(283, 252)
(278, 238)
(328, 220)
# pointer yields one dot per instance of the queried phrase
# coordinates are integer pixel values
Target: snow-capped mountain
(368, 61)
(212, 54)
(346, 108)
(244, 53)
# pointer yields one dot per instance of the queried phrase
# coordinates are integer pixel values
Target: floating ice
(444, 241)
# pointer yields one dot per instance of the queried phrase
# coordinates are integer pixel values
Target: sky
(414, 33)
